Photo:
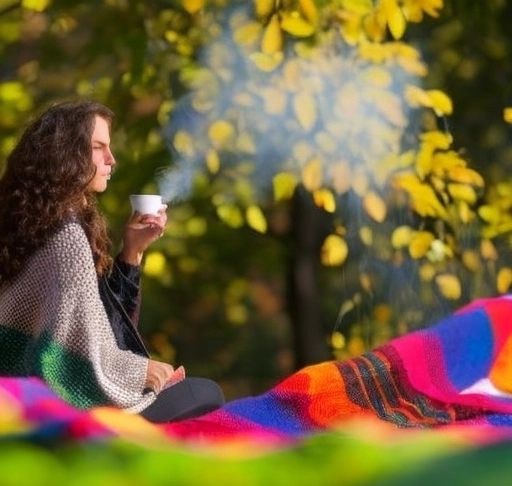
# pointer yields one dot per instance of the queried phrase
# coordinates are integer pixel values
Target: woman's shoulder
(71, 233)
(70, 242)
(66, 257)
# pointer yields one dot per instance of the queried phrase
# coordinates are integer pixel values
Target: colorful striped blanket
(430, 394)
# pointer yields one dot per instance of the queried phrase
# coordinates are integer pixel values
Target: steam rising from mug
(345, 113)
(175, 184)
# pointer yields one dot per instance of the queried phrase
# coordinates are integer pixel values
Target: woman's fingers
(158, 375)
(178, 375)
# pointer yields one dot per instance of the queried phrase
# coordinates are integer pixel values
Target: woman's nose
(110, 159)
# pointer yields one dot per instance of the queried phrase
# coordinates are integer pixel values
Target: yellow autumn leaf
(438, 183)
(351, 29)
(374, 30)
(471, 260)
(264, 8)
(359, 7)
(272, 40)
(407, 181)
(309, 10)
(375, 206)
(439, 251)
(230, 215)
(256, 219)
(413, 11)
(15, 93)
(441, 102)
(154, 264)
(427, 204)
(305, 109)
(466, 214)
(462, 192)
(243, 189)
(212, 161)
(413, 66)
(444, 162)
(449, 286)
(423, 197)
(366, 282)
(395, 18)
(504, 280)
(401, 237)
(430, 7)
(267, 62)
(324, 198)
(183, 143)
(284, 186)
(378, 76)
(488, 250)
(366, 235)
(312, 175)
(424, 159)
(490, 214)
(504, 189)
(221, 133)
(356, 346)
(463, 175)
(437, 139)
(297, 26)
(334, 251)
(193, 6)
(420, 244)
(374, 52)
(247, 34)
(417, 96)
(427, 272)
(507, 114)
(338, 340)
(37, 5)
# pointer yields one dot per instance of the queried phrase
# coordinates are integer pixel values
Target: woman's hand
(161, 374)
(140, 231)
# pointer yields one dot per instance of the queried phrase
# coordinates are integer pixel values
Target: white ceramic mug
(146, 203)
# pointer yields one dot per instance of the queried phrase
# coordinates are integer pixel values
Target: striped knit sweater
(53, 325)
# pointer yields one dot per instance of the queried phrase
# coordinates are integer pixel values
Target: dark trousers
(191, 397)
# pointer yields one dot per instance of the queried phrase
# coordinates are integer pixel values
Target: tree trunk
(308, 231)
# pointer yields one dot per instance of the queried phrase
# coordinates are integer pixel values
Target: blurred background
(337, 172)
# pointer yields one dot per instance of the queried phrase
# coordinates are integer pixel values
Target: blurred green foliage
(326, 459)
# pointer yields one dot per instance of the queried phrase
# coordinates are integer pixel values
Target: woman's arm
(141, 231)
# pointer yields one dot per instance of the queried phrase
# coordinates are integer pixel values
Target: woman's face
(102, 157)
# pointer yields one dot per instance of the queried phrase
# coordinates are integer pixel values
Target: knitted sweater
(53, 325)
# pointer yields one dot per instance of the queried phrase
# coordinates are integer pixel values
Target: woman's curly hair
(45, 184)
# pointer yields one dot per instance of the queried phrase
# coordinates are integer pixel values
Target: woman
(68, 310)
